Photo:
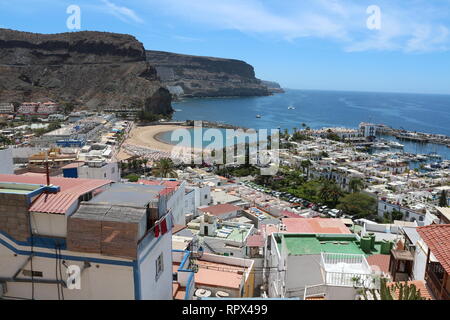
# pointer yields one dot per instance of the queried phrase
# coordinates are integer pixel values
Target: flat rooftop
(303, 244)
(129, 194)
(18, 188)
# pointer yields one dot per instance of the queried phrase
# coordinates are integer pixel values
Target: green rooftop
(302, 244)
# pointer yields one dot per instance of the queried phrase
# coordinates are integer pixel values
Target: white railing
(336, 258)
(350, 270)
(349, 279)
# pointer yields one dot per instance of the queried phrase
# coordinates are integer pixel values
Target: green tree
(164, 168)
(132, 177)
(443, 202)
(356, 185)
(305, 164)
(5, 140)
(357, 204)
(330, 192)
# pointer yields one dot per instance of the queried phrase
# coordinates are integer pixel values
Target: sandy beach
(145, 137)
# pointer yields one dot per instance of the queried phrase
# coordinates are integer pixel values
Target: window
(159, 266)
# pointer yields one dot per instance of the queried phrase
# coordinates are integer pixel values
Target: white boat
(258, 116)
(394, 144)
(434, 156)
(380, 146)
(291, 108)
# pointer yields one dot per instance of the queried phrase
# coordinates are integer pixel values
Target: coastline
(147, 137)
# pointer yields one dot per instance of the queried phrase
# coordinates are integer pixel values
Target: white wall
(152, 288)
(100, 281)
(110, 171)
(176, 204)
(6, 161)
(301, 271)
(420, 260)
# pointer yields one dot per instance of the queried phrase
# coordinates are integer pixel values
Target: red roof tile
(170, 185)
(71, 190)
(290, 214)
(315, 225)
(380, 260)
(220, 209)
(437, 238)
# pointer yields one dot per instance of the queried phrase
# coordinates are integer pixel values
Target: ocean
(416, 112)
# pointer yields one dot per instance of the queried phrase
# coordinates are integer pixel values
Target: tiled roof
(220, 209)
(437, 238)
(289, 214)
(71, 190)
(315, 225)
(169, 185)
(379, 260)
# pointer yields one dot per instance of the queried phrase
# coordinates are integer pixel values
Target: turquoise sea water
(317, 109)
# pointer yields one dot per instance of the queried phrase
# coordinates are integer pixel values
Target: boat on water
(380, 146)
(291, 108)
(258, 116)
(434, 156)
(394, 144)
(421, 157)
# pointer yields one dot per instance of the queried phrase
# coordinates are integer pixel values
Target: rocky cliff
(92, 69)
(194, 76)
(274, 87)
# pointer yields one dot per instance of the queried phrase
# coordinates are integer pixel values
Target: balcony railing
(350, 270)
(434, 281)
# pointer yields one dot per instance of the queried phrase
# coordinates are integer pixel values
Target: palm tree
(330, 191)
(144, 162)
(164, 168)
(305, 164)
(356, 184)
(443, 199)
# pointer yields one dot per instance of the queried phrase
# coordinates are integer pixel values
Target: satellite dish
(222, 294)
(202, 293)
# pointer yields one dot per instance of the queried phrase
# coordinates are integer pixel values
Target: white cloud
(123, 13)
(409, 26)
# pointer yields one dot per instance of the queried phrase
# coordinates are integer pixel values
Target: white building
(196, 196)
(307, 266)
(6, 161)
(100, 170)
(113, 260)
(368, 129)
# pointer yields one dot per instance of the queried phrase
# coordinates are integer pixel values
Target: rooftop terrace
(303, 244)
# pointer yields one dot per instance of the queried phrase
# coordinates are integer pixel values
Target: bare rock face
(92, 69)
(193, 76)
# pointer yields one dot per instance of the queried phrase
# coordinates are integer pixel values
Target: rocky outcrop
(194, 76)
(274, 87)
(92, 69)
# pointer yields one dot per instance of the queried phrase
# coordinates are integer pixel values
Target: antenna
(47, 171)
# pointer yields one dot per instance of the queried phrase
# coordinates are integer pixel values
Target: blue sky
(302, 44)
